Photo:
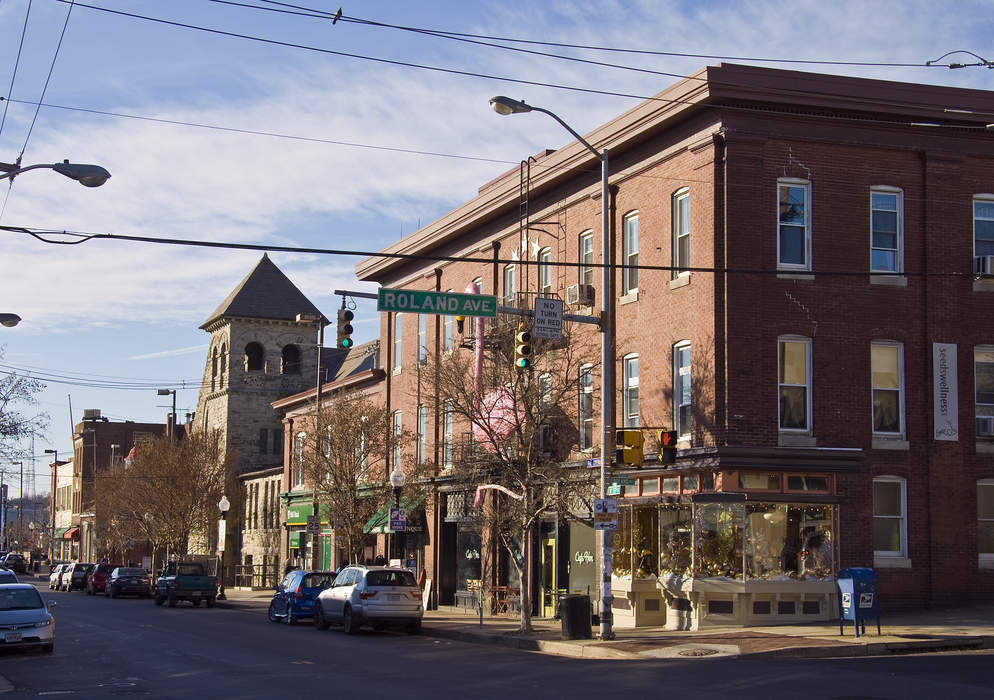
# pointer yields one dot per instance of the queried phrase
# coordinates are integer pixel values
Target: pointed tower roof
(264, 293)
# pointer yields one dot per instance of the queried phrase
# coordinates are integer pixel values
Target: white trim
(806, 185)
(981, 197)
(627, 255)
(898, 194)
(545, 286)
(585, 269)
(900, 433)
(984, 559)
(678, 347)
(629, 383)
(806, 342)
(681, 195)
(887, 555)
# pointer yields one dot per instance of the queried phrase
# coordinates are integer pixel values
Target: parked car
(25, 619)
(74, 576)
(15, 562)
(294, 597)
(7, 576)
(128, 580)
(96, 578)
(182, 580)
(55, 578)
(377, 596)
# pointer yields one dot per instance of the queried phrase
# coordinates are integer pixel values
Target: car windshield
(104, 568)
(20, 599)
(190, 570)
(390, 578)
(318, 580)
(126, 571)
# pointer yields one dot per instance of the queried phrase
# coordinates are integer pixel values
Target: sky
(264, 123)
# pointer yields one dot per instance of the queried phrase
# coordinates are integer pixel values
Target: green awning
(296, 513)
(59, 532)
(380, 523)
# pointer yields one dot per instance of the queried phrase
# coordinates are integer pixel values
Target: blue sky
(115, 312)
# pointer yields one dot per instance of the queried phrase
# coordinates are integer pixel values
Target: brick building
(805, 302)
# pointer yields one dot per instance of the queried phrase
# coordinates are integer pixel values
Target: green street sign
(623, 481)
(442, 303)
(614, 490)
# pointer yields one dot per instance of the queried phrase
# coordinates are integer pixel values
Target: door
(547, 598)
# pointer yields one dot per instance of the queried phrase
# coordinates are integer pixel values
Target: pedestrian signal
(667, 446)
(345, 329)
(630, 452)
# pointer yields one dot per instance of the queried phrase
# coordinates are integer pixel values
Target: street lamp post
(171, 424)
(319, 442)
(52, 501)
(86, 175)
(397, 480)
(504, 106)
(223, 505)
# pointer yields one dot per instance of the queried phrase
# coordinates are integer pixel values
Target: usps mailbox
(858, 599)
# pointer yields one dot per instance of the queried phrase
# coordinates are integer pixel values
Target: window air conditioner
(985, 426)
(983, 265)
(580, 294)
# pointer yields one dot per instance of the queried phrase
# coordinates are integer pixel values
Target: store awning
(59, 532)
(71, 534)
(380, 523)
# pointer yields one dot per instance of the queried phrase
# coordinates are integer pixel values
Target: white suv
(371, 595)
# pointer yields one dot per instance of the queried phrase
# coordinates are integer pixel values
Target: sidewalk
(902, 633)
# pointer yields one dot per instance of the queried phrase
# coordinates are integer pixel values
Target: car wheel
(320, 621)
(414, 627)
(48, 648)
(172, 600)
(112, 593)
(349, 623)
(211, 602)
(196, 602)
(273, 617)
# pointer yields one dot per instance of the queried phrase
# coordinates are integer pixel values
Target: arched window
(291, 360)
(299, 442)
(214, 369)
(224, 365)
(254, 356)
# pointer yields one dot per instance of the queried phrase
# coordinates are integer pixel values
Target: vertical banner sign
(220, 535)
(945, 398)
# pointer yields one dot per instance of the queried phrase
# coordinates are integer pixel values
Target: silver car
(55, 578)
(376, 596)
(25, 620)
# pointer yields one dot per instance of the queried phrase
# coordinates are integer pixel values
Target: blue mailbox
(858, 598)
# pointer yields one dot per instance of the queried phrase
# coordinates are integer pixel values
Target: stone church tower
(258, 353)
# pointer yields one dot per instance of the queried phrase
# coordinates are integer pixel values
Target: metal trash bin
(858, 599)
(575, 613)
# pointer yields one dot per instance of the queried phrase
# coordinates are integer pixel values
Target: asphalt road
(126, 647)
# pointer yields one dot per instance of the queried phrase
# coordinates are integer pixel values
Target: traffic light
(344, 329)
(522, 347)
(667, 446)
(631, 442)
(460, 320)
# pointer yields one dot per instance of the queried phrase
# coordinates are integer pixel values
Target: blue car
(294, 597)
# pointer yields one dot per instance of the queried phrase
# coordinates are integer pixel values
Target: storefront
(760, 551)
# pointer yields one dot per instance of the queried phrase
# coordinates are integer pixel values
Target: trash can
(858, 599)
(575, 614)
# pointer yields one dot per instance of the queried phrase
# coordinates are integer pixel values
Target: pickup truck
(185, 581)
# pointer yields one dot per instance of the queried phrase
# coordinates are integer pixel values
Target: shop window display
(674, 540)
(718, 540)
(636, 542)
(468, 570)
(789, 541)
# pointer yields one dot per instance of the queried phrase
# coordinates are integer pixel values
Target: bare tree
(167, 493)
(18, 391)
(345, 462)
(524, 427)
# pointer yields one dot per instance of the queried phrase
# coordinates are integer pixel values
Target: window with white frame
(447, 445)
(545, 271)
(585, 417)
(447, 332)
(422, 338)
(681, 231)
(509, 286)
(630, 365)
(794, 383)
(544, 391)
(890, 526)
(398, 339)
(397, 431)
(681, 388)
(887, 378)
(985, 521)
(630, 254)
(794, 224)
(299, 445)
(586, 256)
(983, 224)
(983, 377)
(886, 229)
(422, 433)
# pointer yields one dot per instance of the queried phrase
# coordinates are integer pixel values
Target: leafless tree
(524, 424)
(17, 392)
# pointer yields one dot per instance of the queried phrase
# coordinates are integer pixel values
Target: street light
(319, 320)
(171, 423)
(397, 480)
(505, 105)
(223, 505)
(51, 539)
(9, 320)
(86, 175)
